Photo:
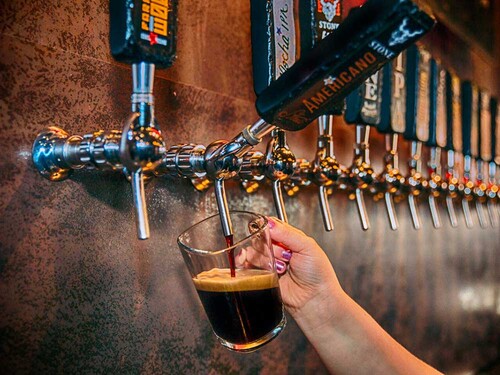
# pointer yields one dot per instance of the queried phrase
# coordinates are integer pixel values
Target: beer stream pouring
(369, 37)
(318, 19)
(392, 124)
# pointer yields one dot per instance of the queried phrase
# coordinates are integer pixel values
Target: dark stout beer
(241, 309)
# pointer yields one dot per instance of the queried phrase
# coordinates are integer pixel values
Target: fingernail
(280, 266)
(271, 222)
(286, 254)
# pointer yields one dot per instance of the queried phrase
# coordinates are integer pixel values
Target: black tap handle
(433, 104)
(393, 111)
(495, 128)
(467, 113)
(318, 19)
(369, 37)
(363, 105)
(143, 31)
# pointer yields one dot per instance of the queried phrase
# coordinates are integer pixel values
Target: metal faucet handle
(279, 166)
(141, 148)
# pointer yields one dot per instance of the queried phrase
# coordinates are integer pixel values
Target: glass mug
(245, 311)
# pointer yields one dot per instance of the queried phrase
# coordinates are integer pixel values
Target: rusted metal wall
(80, 294)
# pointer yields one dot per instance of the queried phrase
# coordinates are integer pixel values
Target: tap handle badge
(393, 110)
(370, 36)
(143, 31)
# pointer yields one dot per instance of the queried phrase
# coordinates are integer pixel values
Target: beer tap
(492, 190)
(363, 110)
(469, 95)
(471, 118)
(437, 141)
(371, 36)
(318, 20)
(454, 128)
(139, 147)
(368, 38)
(392, 123)
(417, 126)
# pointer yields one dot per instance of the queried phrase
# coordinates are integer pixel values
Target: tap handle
(495, 130)
(368, 38)
(469, 118)
(325, 208)
(318, 19)
(453, 113)
(363, 105)
(143, 31)
(417, 99)
(433, 100)
(274, 40)
(485, 134)
(393, 110)
(438, 105)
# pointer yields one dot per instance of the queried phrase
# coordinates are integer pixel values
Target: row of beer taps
(413, 107)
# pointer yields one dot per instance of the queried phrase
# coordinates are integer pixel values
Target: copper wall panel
(80, 294)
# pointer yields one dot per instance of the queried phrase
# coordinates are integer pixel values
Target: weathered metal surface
(79, 293)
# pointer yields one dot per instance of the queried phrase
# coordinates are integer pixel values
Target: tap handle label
(485, 126)
(393, 110)
(319, 18)
(418, 91)
(440, 104)
(467, 116)
(423, 95)
(363, 105)
(143, 31)
(433, 86)
(475, 146)
(495, 130)
(368, 38)
(274, 46)
(453, 113)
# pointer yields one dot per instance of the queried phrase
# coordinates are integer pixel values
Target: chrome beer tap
(139, 147)
(279, 165)
(469, 95)
(417, 127)
(437, 142)
(453, 141)
(326, 171)
(363, 109)
(392, 123)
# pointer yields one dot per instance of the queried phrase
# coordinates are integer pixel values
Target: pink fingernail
(286, 254)
(271, 222)
(280, 266)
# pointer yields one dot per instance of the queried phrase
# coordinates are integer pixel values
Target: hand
(309, 274)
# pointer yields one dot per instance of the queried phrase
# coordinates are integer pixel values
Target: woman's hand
(306, 272)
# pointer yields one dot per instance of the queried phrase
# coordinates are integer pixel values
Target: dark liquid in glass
(242, 309)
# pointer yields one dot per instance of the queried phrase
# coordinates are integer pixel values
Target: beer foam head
(220, 280)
